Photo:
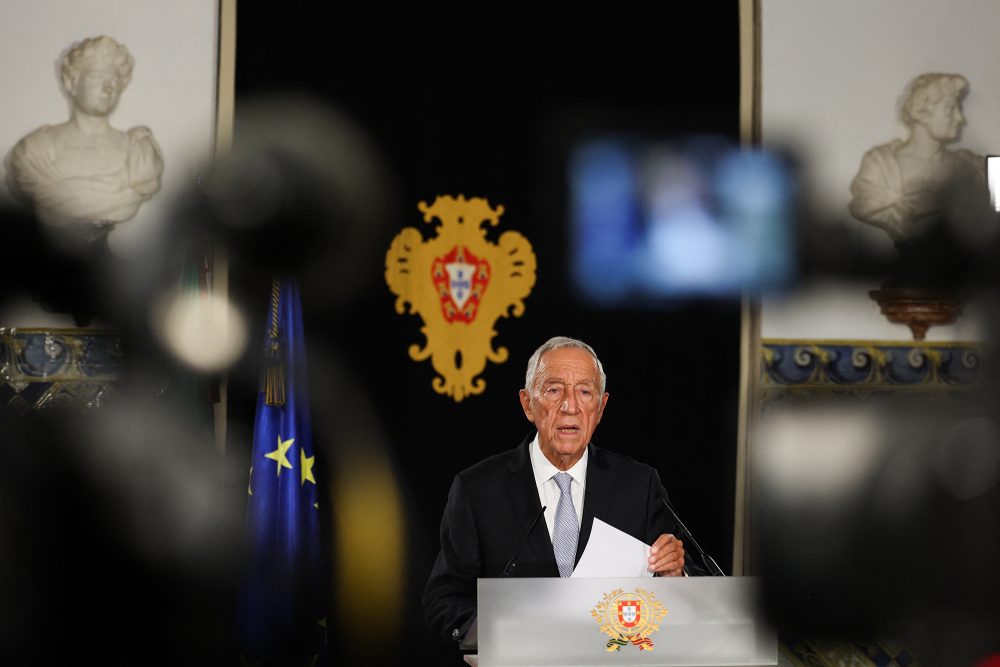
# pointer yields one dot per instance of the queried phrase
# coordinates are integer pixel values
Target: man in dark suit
(494, 506)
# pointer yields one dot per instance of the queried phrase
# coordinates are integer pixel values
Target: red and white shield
(460, 279)
(628, 612)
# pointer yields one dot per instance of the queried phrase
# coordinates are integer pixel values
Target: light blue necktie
(567, 530)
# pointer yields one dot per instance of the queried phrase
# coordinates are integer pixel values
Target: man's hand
(666, 556)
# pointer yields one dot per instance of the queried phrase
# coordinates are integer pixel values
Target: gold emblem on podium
(460, 284)
(629, 618)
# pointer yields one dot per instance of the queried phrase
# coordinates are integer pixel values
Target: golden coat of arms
(460, 283)
(629, 618)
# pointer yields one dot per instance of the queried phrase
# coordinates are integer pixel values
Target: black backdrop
(482, 100)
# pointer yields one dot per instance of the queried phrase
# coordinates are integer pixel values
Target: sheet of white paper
(612, 553)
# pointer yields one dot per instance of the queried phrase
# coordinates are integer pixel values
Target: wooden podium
(693, 621)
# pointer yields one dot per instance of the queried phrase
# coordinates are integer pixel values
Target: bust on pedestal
(919, 192)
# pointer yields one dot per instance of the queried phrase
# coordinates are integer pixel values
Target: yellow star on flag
(280, 455)
(307, 467)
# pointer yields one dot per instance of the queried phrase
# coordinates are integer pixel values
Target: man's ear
(604, 403)
(526, 404)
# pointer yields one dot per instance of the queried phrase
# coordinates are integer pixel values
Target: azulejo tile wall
(794, 369)
(851, 367)
(44, 368)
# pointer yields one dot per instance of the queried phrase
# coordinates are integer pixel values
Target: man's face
(96, 91)
(565, 405)
(944, 119)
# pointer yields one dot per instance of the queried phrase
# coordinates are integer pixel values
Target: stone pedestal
(918, 308)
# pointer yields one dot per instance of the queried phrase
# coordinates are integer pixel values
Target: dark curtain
(485, 100)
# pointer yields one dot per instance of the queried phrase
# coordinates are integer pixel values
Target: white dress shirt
(548, 490)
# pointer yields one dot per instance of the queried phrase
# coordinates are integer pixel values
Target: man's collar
(544, 470)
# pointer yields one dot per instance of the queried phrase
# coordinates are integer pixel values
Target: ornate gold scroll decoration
(460, 283)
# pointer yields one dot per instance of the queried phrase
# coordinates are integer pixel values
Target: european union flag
(281, 617)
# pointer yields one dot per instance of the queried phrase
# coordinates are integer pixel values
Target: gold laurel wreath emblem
(649, 614)
(460, 283)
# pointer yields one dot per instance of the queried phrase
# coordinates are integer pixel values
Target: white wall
(173, 91)
(832, 80)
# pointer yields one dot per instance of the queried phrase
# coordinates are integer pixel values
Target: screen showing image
(655, 221)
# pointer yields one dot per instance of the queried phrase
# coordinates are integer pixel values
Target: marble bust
(84, 176)
(902, 186)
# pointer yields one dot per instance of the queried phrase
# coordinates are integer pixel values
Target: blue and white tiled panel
(41, 369)
(800, 366)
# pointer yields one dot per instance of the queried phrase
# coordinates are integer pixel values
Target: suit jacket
(491, 507)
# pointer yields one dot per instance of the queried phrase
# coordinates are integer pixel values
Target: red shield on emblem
(628, 612)
(460, 279)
